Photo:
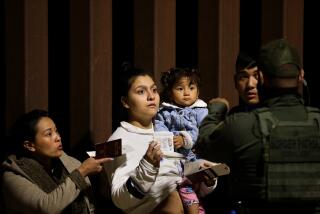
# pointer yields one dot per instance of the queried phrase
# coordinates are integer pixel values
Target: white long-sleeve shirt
(154, 183)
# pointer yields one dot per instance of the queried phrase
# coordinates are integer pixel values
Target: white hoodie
(154, 183)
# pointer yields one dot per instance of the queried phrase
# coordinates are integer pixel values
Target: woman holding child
(145, 180)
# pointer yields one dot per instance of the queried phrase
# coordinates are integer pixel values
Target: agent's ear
(124, 102)
(261, 80)
(29, 146)
(301, 76)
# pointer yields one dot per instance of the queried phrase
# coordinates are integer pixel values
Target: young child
(181, 112)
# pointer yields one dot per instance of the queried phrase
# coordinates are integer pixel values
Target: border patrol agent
(274, 151)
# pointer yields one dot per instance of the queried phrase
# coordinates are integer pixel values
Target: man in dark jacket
(246, 82)
(239, 142)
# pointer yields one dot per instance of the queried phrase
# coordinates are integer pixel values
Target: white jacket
(154, 183)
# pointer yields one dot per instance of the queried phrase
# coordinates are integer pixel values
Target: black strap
(133, 189)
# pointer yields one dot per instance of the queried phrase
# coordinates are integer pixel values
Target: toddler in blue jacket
(181, 112)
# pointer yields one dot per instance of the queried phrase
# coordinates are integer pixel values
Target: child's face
(184, 93)
(143, 99)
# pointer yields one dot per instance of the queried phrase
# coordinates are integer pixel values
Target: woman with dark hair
(38, 176)
(144, 181)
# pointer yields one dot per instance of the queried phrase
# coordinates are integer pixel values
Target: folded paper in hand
(194, 172)
(165, 139)
(110, 149)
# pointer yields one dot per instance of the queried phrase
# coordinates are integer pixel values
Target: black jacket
(237, 142)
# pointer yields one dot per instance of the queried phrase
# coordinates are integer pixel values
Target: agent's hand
(92, 166)
(154, 154)
(178, 141)
(220, 100)
(209, 181)
(206, 164)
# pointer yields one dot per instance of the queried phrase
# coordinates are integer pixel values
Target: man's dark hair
(244, 60)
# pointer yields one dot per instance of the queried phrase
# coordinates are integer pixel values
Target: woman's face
(142, 102)
(47, 143)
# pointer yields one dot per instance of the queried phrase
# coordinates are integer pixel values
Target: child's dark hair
(24, 129)
(173, 75)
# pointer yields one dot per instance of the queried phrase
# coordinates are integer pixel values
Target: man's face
(246, 83)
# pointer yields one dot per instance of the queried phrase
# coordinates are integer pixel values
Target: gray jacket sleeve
(29, 198)
(22, 195)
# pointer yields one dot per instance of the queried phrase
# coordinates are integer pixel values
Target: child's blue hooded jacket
(182, 121)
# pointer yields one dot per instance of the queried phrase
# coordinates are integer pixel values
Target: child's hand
(178, 141)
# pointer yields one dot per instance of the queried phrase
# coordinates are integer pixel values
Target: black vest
(291, 157)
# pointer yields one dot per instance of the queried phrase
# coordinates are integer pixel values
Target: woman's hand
(154, 154)
(178, 141)
(92, 166)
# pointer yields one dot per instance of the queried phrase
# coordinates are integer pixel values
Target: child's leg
(190, 200)
(192, 209)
